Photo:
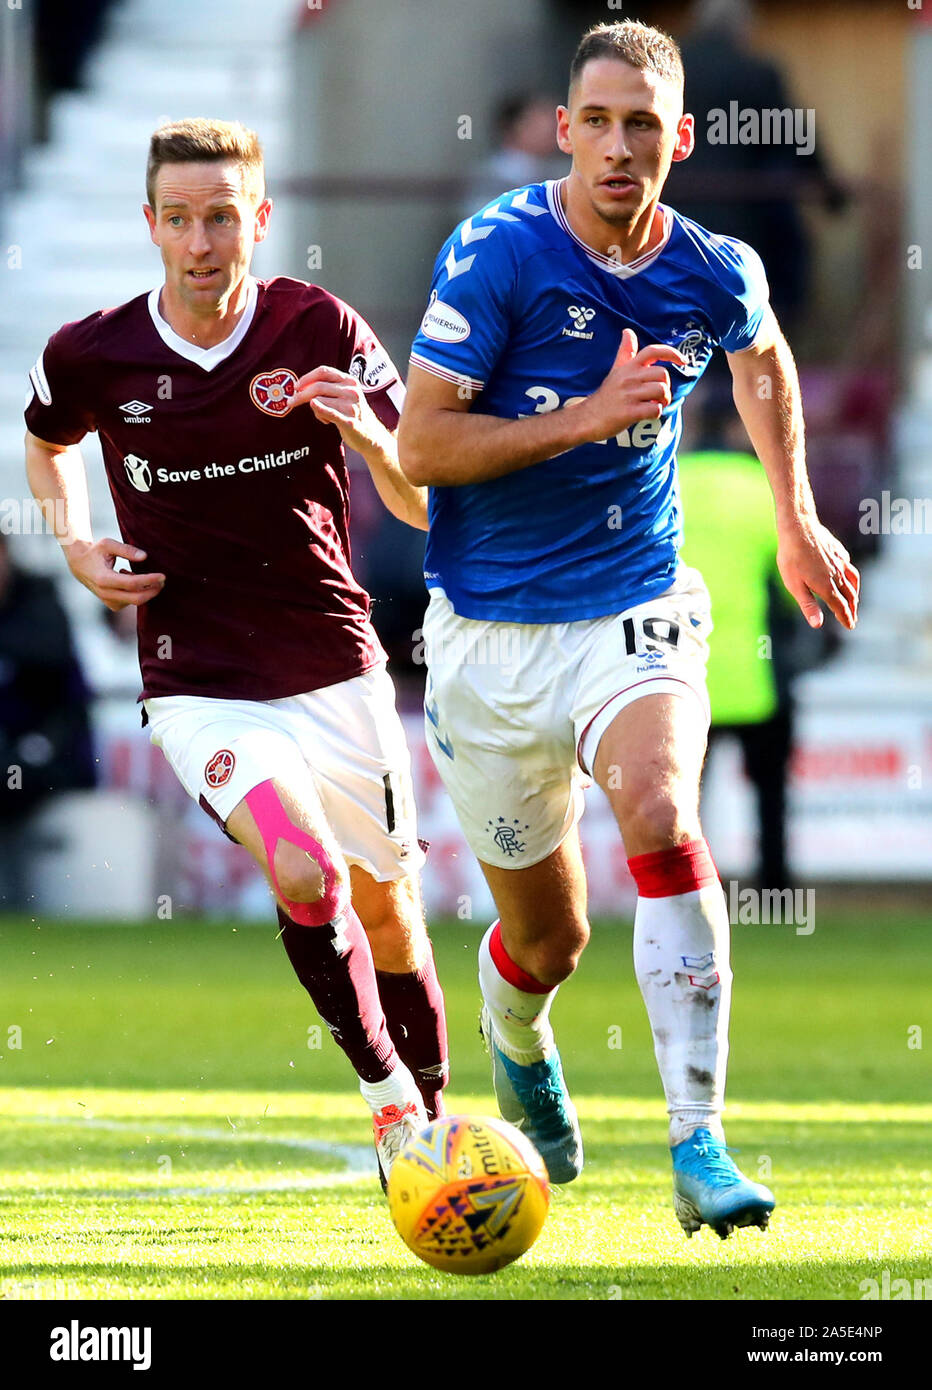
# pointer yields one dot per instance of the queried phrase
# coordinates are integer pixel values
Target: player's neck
(623, 241)
(206, 330)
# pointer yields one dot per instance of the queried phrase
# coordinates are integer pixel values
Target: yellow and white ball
(469, 1194)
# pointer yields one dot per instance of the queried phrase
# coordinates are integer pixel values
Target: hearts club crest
(219, 769)
(272, 391)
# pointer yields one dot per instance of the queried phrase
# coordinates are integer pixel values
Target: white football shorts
(514, 711)
(347, 735)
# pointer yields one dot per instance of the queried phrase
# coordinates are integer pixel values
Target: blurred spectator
(724, 186)
(45, 739)
(388, 560)
(65, 35)
(388, 555)
(106, 644)
(526, 140)
(16, 95)
(760, 640)
(44, 50)
(394, 566)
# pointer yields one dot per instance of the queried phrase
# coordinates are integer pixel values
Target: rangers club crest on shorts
(507, 837)
(272, 391)
(219, 769)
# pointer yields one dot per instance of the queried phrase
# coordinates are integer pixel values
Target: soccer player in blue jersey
(565, 640)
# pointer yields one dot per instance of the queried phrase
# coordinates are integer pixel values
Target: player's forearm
(448, 448)
(59, 484)
(766, 392)
(402, 498)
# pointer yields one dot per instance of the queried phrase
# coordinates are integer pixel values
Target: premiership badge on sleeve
(373, 372)
(443, 323)
(272, 391)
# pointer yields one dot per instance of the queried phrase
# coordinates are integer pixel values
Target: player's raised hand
(337, 398)
(814, 564)
(636, 388)
(92, 562)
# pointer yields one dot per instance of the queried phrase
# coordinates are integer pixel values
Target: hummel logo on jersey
(581, 316)
(137, 413)
(138, 472)
(651, 660)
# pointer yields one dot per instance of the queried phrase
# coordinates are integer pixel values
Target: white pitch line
(359, 1160)
(274, 1185)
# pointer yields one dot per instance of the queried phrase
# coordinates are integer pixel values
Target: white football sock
(681, 963)
(398, 1088)
(521, 1019)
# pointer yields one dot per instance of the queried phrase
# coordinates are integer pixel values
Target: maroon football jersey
(242, 506)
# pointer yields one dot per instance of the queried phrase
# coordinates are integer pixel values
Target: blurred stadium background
(380, 122)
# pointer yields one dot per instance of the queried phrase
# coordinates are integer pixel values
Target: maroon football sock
(413, 1005)
(334, 964)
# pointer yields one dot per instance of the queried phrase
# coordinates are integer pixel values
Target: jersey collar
(608, 263)
(211, 357)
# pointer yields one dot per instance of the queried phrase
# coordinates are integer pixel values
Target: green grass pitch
(167, 1132)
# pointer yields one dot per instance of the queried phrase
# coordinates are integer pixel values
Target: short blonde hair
(199, 141)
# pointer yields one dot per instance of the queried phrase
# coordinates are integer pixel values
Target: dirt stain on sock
(699, 1076)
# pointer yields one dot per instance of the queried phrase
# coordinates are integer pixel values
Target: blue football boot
(535, 1100)
(708, 1187)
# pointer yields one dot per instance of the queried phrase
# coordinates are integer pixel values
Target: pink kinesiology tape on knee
(274, 825)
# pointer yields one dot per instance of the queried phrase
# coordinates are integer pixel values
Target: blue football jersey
(526, 313)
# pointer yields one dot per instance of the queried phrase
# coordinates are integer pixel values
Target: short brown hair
(644, 48)
(200, 141)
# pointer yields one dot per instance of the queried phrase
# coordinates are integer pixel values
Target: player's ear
(150, 218)
(263, 213)
(685, 138)
(563, 130)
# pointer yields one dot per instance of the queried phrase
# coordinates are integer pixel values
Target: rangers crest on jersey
(694, 343)
(219, 769)
(272, 391)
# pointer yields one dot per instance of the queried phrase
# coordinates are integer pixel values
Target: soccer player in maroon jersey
(263, 680)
